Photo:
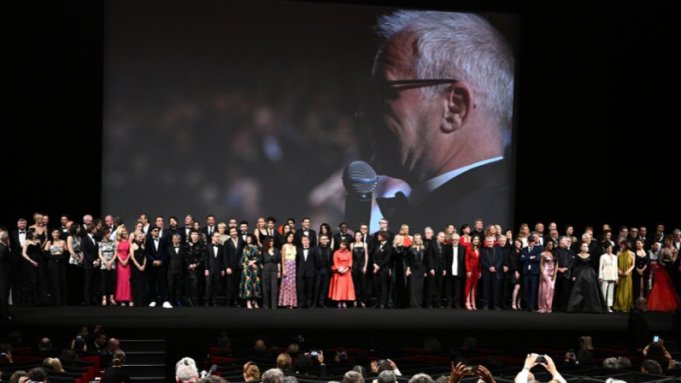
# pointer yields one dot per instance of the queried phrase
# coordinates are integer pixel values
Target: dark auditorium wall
(596, 111)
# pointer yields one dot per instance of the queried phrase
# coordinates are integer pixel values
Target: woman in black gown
(360, 256)
(586, 296)
(32, 281)
(137, 278)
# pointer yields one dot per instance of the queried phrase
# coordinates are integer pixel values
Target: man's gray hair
(462, 46)
(352, 377)
(421, 378)
(273, 375)
(387, 376)
(185, 370)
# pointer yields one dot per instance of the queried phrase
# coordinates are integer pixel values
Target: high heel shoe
(112, 302)
(248, 305)
(255, 305)
(103, 301)
(514, 307)
(468, 306)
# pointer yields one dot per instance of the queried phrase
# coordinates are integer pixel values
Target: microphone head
(213, 368)
(359, 178)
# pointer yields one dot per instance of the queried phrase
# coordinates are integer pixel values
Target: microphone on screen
(360, 181)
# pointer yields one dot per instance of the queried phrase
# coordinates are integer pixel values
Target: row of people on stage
(288, 267)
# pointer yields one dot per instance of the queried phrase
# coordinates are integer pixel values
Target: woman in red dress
(663, 296)
(342, 289)
(123, 290)
(465, 239)
(473, 272)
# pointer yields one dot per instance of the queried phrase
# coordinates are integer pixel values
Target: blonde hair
(251, 372)
(122, 229)
(283, 361)
(53, 364)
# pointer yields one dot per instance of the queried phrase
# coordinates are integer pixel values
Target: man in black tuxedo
(305, 273)
(491, 261)
(163, 233)
(439, 125)
(435, 265)
(210, 227)
(530, 257)
(343, 234)
(305, 231)
(186, 230)
(90, 263)
(381, 258)
(323, 261)
(6, 266)
(233, 249)
(63, 227)
(243, 230)
(157, 269)
(16, 244)
(174, 228)
(454, 272)
(214, 266)
(176, 266)
(382, 227)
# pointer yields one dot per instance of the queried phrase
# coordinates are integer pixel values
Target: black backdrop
(596, 108)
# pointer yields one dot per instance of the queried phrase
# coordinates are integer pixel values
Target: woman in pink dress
(287, 291)
(547, 283)
(123, 291)
(342, 289)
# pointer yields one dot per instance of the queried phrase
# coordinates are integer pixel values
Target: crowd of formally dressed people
(102, 262)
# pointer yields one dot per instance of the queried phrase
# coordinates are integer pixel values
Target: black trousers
(507, 289)
(561, 293)
(322, 280)
(490, 289)
(359, 282)
(305, 287)
(74, 276)
(434, 285)
(4, 292)
(232, 287)
(455, 287)
(270, 286)
(381, 285)
(108, 281)
(213, 283)
(158, 287)
(530, 290)
(88, 286)
(175, 286)
(57, 271)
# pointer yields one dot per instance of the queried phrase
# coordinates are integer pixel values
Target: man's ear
(458, 105)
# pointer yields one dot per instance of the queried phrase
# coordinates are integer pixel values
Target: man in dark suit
(452, 156)
(163, 233)
(157, 269)
(343, 234)
(6, 265)
(186, 230)
(305, 273)
(176, 266)
(305, 231)
(90, 263)
(16, 244)
(210, 227)
(233, 249)
(381, 258)
(323, 255)
(435, 266)
(564, 261)
(214, 266)
(491, 262)
(174, 228)
(454, 272)
(382, 226)
(530, 257)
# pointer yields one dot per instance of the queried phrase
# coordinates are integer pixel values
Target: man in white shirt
(455, 272)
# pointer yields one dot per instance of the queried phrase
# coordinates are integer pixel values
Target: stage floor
(324, 319)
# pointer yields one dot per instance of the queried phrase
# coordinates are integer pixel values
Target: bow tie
(22, 231)
(390, 206)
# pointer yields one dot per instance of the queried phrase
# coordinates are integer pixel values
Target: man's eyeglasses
(389, 89)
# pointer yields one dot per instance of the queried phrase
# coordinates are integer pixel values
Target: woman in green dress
(625, 265)
(249, 288)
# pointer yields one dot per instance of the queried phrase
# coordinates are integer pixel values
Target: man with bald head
(440, 109)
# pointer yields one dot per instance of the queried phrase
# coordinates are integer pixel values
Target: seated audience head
(284, 361)
(651, 367)
(387, 376)
(251, 372)
(421, 378)
(186, 371)
(352, 377)
(273, 375)
(53, 364)
(118, 358)
(37, 374)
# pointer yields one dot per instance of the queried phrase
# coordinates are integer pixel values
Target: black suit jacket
(157, 255)
(15, 244)
(233, 253)
(435, 259)
(460, 260)
(215, 264)
(483, 192)
(6, 261)
(339, 236)
(323, 257)
(305, 268)
(204, 230)
(90, 251)
(176, 261)
(299, 236)
(382, 257)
